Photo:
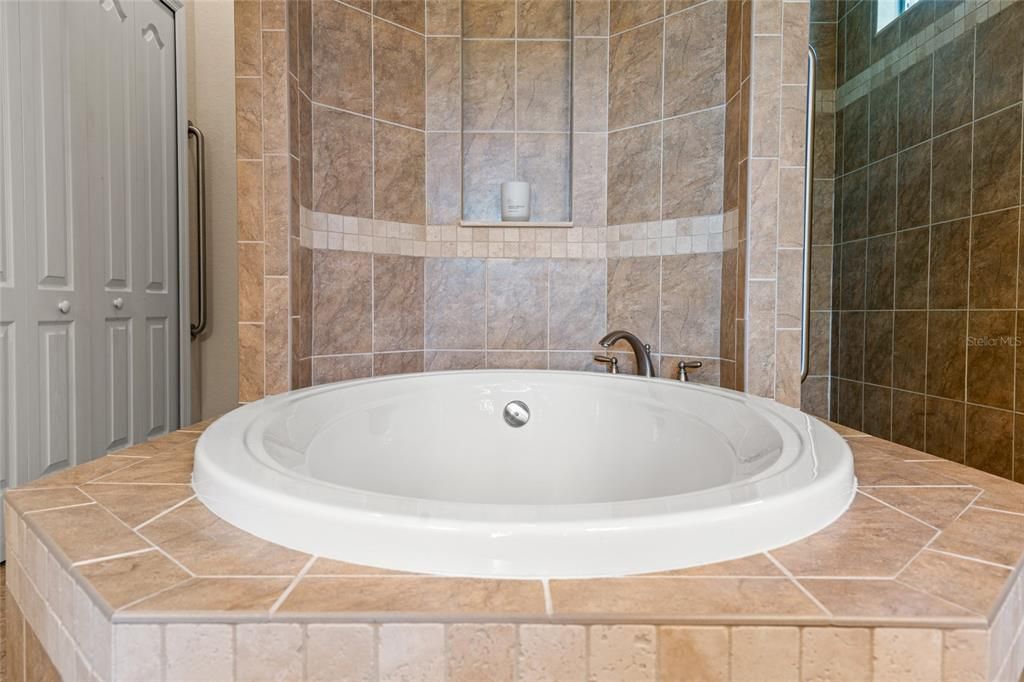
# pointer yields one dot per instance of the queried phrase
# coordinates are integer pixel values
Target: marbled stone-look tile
(39, 499)
(411, 651)
(870, 539)
(997, 157)
(135, 504)
(342, 163)
(248, 118)
(327, 369)
(454, 307)
(407, 13)
(488, 159)
(444, 17)
(915, 104)
(250, 362)
(124, 580)
(276, 209)
(657, 597)
(954, 74)
(936, 506)
(634, 76)
(444, 179)
(342, 58)
(589, 179)
(993, 273)
(488, 18)
(275, 93)
(633, 285)
(517, 359)
(578, 303)
(948, 276)
(397, 302)
(415, 594)
(693, 174)
(87, 532)
(695, 59)
(628, 13)
(443, 86)
(211, 595)
(405, 362)
(914, 187)
(488, 85)
(306, 160)
(398, 75)
(247, 38)
(543, 19)
(861, 600)
(999, 61)
(210, 546)
(250, 282)
(249, 203)
(302, 33)
(590, 85)
(447, 360)
(951, 173)
(634, 175)
(970, 584)
(990, 358)
(517, 304)
(343, 320)
(543, 90)
(590, 17)
(543, 161)
(690, 303)
(399, 174)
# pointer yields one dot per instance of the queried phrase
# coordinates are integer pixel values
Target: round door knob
(64, 306)
(118, 303)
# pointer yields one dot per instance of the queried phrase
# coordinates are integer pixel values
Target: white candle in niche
(515, 201)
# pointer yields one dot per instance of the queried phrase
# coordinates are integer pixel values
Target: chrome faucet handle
(686, 365)
(613, 363)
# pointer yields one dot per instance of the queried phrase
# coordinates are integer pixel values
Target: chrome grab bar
(805, 338)
(199, 327)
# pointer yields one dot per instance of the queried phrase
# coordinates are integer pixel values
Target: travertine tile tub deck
(120, 573)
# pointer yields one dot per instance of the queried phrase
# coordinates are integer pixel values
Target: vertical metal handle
(805, 338)
(200, 326)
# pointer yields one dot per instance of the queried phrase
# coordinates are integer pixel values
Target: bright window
(889, 10)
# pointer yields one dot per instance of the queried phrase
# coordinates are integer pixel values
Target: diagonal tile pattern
(926, 541)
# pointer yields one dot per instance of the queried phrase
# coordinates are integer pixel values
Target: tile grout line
(291, 586)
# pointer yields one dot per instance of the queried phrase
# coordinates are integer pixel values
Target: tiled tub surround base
(121, 574)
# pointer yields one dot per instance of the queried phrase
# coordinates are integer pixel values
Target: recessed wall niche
(517, 106)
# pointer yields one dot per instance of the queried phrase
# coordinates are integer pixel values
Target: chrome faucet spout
(642, 351)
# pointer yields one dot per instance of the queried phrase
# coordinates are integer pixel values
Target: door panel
(7, 394)
(118, 380)
(158, 365)
(57, 435)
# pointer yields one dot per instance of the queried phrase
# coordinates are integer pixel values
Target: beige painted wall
(211, 107)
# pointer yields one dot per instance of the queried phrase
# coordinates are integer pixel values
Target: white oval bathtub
(611, 475)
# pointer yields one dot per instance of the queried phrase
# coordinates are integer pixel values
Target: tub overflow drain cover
(516, 414)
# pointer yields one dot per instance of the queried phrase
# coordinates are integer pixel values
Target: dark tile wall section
(927, 241)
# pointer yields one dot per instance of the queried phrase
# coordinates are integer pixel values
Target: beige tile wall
(262, 149)
(775, 224)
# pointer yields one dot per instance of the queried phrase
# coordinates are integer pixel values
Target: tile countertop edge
(121, 616)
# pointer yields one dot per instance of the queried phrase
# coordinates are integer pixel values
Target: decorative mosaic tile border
(941, 32)
(699, 234)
